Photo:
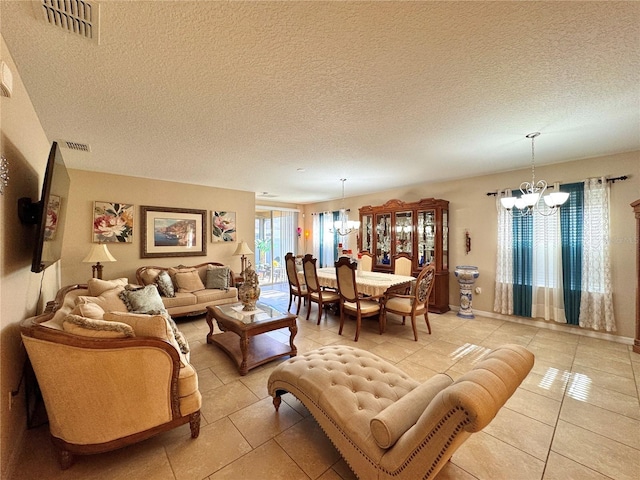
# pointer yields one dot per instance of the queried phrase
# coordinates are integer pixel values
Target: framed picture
(51, 225)
(112, 222)
(223, 227)
(173, 232)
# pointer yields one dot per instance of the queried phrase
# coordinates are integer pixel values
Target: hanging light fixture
(527, 203)
(343, 226)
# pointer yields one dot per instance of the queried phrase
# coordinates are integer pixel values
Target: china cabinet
(636, 342)
(420, 229)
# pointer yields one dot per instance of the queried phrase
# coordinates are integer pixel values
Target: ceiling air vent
(75, 16)
(80, 147)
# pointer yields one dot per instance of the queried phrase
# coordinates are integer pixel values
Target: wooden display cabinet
(420, 229)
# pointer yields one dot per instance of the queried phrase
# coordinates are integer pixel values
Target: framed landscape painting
(112, 222)
(223, 227)
(173, 232)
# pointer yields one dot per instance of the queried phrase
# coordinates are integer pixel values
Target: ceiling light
(343, 226)
(528, 202)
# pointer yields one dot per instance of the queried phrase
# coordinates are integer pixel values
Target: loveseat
(190, 290)
(109, 377)
(387, 425)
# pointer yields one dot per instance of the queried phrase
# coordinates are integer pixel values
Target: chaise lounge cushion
(109, 300)
(97, 286)
(392, 422)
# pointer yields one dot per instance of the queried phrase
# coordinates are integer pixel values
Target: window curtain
(327, 245)
(522, 265)
(316, 243)
(596, 300)
(287, 234)
(547, 294)
(571, 233)
(503, 298)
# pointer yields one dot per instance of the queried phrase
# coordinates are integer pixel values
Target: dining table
(372, 284)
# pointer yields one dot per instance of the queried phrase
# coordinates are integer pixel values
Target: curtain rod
(612, 180)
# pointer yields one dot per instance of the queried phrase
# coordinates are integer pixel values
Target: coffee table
(242, 337)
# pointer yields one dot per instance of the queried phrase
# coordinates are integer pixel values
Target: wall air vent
(80, 147)
(75, 16)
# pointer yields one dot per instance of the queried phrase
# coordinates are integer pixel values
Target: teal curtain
(337, 241)
(321, 235)
(571, 221)
(522, 265)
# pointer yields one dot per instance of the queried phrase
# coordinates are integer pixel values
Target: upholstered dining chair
(316, 293)
(366, 261)
(403, 264)
(351, 303)
(295, 288)
(416, 303)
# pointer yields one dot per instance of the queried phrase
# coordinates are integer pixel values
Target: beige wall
(471, 209)
(26, 147)
(87, 187)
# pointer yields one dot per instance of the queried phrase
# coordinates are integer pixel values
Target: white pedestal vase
(466, 275)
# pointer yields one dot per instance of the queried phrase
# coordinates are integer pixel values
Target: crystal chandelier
(527, 203)
(343, 226)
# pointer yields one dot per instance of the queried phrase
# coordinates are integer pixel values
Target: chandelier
(528, 202)
(343, 226)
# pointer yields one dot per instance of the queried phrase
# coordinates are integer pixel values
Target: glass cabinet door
(426, 237)
(445, 239)
(383, 239)
(404, 232)
(367, 241)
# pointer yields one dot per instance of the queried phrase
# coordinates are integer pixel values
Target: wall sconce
(98, 253)
(306, 234)
(4, 174)
(299, 232)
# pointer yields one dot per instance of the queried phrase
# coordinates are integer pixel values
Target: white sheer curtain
(315, 246)
(547, 299)
(596, 301)
(324, 248)
(503, 298)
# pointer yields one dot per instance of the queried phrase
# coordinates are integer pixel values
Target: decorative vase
(466, 275)
(249, 291)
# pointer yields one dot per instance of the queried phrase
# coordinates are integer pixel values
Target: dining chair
(295, 288)
(351, 303)
(415, 303)
(403, 264)
(366, 261)
(317, 294)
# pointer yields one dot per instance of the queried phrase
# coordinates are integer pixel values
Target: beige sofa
(384, 423)
(193, 298)
(108, 379)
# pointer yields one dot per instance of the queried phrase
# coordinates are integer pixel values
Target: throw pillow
(88, 327)
(165, 284)
(97, 286)
(110, 300)
(88, 310)
(142, 300)
(149, 275)
(218, 277)
(188, 281)
(143, 325)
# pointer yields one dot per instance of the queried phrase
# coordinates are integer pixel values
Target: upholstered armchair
(108, 383)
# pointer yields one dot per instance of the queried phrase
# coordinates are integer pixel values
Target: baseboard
(551, 325)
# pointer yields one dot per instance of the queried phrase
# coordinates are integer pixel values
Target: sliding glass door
(276, 234)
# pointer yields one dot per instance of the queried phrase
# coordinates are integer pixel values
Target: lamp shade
(99, 253)
(243, 249)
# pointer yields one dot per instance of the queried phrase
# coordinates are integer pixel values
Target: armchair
(104, 390)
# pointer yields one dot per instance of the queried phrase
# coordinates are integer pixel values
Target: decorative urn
(249, 291)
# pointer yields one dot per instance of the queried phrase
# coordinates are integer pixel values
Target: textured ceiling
(386, 94)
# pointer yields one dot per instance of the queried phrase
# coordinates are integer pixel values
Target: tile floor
(576, 416)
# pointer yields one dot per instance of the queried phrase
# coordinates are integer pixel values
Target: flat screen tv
(49, 214)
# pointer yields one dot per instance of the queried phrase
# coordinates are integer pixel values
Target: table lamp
(243, 250)
(98, 253)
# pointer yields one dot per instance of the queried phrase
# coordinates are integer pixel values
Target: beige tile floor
(576, 416)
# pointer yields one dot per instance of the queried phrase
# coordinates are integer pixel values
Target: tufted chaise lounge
(387, 425)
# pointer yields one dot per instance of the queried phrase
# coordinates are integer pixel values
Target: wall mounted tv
(49, 214)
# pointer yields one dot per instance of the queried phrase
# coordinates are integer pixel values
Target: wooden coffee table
(242, 339)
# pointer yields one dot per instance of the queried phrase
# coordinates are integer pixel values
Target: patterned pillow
(218, 277)
(88, 327)
(142, 300)
(165, 284)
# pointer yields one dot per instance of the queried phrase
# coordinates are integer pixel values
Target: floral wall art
(112, 222)
(223, 227)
